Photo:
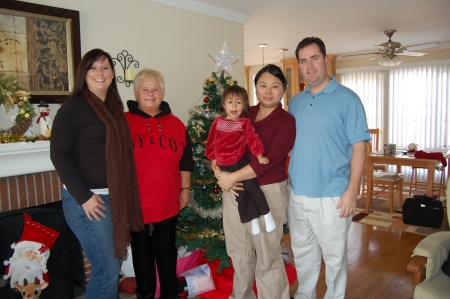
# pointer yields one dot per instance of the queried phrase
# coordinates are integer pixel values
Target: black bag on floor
(423, 211)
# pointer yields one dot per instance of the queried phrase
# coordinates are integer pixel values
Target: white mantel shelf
(24, 157)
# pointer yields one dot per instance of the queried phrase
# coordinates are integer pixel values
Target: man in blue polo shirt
(325, 170)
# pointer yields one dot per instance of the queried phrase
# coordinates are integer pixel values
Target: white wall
(174, 41)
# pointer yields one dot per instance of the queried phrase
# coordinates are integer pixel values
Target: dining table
(404, 158)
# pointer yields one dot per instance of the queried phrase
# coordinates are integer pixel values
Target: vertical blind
(369, 86)
(417, 102)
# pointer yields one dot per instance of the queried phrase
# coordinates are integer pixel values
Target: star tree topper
(224, 60)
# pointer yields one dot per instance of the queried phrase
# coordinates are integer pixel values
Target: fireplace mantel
(24, 158)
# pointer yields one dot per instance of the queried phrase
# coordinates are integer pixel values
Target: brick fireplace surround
(32, 190)
(29, 190)
(28, 179)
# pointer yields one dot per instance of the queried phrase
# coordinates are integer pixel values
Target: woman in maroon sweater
(260, 256)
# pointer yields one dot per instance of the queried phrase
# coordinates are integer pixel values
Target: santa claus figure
(31, 252)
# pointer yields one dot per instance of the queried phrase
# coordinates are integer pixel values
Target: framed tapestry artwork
(40, 46)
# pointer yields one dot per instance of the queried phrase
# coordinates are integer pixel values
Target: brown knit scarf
(120, 171)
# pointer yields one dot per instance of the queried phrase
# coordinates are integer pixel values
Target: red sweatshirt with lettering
(162, 149)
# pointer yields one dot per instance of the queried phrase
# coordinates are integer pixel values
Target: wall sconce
(263, 46)
(125, 60)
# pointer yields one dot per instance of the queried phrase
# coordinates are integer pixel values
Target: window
(418, 106)
(414, 100)
(417, 103)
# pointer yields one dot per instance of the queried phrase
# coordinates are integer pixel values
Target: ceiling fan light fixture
(384, 62)
(389, 62)
(396, 61)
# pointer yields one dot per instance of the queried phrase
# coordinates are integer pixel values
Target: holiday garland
(10, 94)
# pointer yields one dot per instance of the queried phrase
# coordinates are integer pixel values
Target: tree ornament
(224, 60)
(210, 80)
(21, 103)
(216, 190)
(21, 111)
(204, 187)
(206, 110)
(205, 99)
(202, 169)
(199, 149)
(198, 129)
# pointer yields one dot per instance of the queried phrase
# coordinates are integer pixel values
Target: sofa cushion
(437, 287)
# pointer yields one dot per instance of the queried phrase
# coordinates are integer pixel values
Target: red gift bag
(184, 264)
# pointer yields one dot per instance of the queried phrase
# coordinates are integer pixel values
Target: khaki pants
(317, 231)
(257, 256)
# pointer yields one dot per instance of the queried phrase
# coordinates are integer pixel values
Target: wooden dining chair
(414, 181)
(375, 141)
(385, 179)
(375, 138)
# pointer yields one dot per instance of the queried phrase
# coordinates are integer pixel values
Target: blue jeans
(96, 239)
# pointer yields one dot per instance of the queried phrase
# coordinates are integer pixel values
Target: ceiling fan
(390, 49)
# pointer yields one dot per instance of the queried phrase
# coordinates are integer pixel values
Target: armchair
(428, 256)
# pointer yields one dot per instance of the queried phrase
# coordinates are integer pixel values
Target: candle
(129, 75)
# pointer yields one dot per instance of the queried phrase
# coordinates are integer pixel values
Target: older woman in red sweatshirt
(164, 163)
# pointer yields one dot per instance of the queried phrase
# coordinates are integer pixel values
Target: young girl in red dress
(229, 138)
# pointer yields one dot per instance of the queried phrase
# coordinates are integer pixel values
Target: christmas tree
(200, 223)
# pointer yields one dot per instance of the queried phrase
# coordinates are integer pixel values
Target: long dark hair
(273, 70)
(85, 64)
(237, 91)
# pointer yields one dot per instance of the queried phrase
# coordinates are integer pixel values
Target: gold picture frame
(40, 45)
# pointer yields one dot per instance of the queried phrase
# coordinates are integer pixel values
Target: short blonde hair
(148, 73)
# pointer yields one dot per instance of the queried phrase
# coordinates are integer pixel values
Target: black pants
(251, 201)
(159, 247)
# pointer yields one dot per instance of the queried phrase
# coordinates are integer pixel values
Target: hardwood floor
(377, 260)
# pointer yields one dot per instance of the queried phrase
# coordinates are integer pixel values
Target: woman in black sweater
(92, 153)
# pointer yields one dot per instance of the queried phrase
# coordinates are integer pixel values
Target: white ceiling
(346, 26)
